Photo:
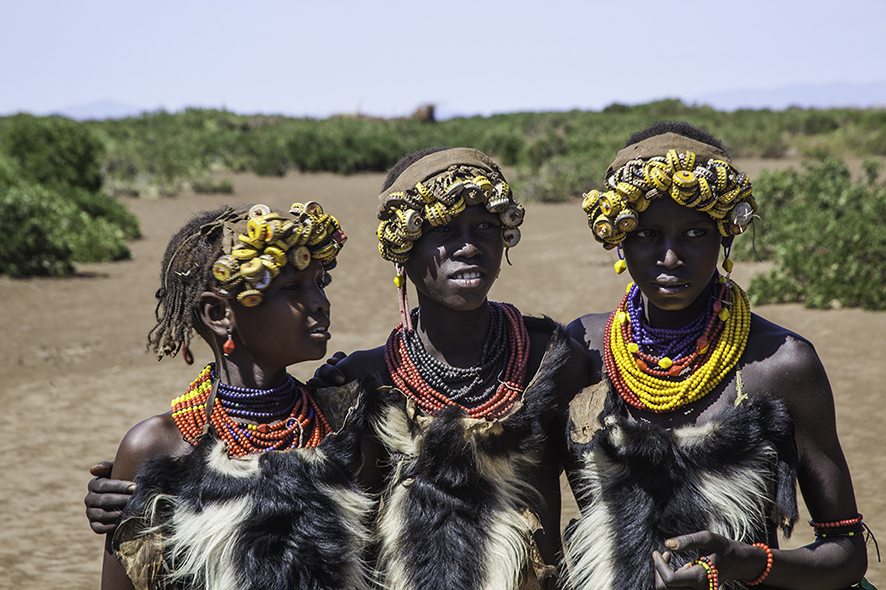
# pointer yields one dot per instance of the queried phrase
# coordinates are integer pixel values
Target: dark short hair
(680, 128)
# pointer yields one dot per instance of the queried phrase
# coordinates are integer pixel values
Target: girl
(687, 454)
(467, 421)
(248, 481)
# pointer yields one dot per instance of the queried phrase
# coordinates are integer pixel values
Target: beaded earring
(400, 283)
(620, 264)
(228, 346)
(727, 264)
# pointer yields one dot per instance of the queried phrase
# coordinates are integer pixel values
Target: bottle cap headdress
(258, 243)
(693, 173)
(438, 187)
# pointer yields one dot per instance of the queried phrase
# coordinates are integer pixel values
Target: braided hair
(186, 273)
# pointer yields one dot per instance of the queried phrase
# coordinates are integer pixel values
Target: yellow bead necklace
(667, 393)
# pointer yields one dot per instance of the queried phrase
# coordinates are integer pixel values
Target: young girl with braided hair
(248, 482)
(687, 454)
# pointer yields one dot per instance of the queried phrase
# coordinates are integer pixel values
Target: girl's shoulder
(156, 436)
(782, 363)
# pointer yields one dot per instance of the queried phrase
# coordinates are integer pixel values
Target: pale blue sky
(387, 57)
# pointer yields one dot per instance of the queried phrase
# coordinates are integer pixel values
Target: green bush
(825, 234)
(54, 151)
(43, 232)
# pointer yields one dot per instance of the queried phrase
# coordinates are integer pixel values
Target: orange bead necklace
(408, 379)
(303, 426)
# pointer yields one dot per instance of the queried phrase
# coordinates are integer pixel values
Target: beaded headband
(652, 169)
(257, 244)
(436, 188)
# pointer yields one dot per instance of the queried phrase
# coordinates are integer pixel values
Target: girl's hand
(328, 375)
(721, 551)
(106, 498)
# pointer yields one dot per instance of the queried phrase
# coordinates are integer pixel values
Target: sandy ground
(76, 376)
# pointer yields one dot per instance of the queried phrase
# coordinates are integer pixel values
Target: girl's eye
(439, 228)
(695, 233)
(644, 233)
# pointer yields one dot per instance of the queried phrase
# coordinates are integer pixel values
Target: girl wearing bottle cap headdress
(248, 480)
(467, 423)
(706, 415)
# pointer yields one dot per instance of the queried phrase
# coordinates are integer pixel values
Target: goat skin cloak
(280, 519)
(455, 513)
(640, 484)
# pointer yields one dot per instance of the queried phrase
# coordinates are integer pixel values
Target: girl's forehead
(666, 211)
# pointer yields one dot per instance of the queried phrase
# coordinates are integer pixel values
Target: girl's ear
(216, 313)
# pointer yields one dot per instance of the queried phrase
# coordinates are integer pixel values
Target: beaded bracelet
(765, 573)
(713, 575)
(840, 528)
(839, 523)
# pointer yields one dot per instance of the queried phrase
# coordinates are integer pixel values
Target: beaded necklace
(427, 380)
(662, 370)
(250, 420)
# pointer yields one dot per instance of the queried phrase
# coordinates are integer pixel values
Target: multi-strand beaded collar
(430, 383)
(250, 420)
(662, 370)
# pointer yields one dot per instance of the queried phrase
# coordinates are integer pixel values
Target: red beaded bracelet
(765, 573)
(839, 523)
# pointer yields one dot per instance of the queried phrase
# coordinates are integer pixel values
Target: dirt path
(76, 376)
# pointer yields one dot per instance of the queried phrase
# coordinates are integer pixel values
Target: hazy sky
(387, 57)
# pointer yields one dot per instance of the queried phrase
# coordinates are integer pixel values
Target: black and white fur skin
(452, 514)
(281, 519)
(642, 484)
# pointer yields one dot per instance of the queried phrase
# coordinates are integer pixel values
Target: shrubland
(817, 225)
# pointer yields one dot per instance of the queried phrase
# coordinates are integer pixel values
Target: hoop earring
(727, 264)
(228, 346)
(620, 264)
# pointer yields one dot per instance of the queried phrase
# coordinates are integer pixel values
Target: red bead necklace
(243, 438)
(407, 378)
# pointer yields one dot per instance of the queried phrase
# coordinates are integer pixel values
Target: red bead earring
(229, 344)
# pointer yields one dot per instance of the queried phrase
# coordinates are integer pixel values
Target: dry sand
(76, 375)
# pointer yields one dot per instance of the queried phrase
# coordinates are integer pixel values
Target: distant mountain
(820, 96)
(100, 109)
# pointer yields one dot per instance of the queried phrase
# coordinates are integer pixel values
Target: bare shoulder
(575, 371)
(154, 437)
(364, 363)
(589, 330)
(786, 365)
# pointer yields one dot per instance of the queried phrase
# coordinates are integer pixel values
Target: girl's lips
(469, 278)
(320, 333)
(670, 286)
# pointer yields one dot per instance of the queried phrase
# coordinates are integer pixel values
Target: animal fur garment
(642, 484)
(279, 519)
(453, 512)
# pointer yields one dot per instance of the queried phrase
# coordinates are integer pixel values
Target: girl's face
(673, 253)
(456, 264)
(291, 325)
